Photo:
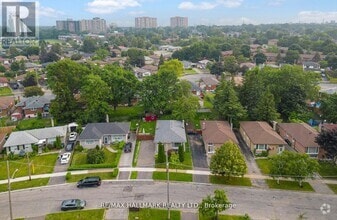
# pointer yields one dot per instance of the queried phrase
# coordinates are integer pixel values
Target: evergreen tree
(181, 153)
(161, 153)
(266, 109)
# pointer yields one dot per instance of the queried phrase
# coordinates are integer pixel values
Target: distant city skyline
(199, 12)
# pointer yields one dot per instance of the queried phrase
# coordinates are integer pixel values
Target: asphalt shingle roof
(302, 132)
(170, 131)
(217, 132)
(97, 130)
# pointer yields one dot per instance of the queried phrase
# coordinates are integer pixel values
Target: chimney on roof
(52, 121)
(183, 124)
(107, 118)
(203, 125)
(274, 125)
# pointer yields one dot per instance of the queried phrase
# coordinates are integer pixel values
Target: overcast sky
(206, 12)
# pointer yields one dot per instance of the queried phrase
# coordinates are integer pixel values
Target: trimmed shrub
(181, 153)
(68, 176)
(95, 156)
(79, 148)
(161, 153)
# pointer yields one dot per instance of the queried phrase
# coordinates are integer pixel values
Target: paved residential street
(258, 203)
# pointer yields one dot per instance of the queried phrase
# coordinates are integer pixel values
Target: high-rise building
(145, 22)
(68, 25)
(95, 25)
(179, 21)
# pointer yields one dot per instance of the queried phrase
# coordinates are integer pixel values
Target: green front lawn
(264, 165)
(103, 175)
(93, 214)
(190, 71)
(40, 164)
(79, 160)
(134, 175)
(5, 91)
(33, 123)
(225, 217)
(289, 185)
(185, 177)
(234, 181)
(25, 184)
(333, 187)
(156, 214)
(185, 165)
(328, 170)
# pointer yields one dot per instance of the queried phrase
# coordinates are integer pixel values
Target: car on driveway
(72, 136)
(65, 158)
(73, 204)
(128, 147)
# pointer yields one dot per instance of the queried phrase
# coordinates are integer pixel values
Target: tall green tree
(65, 79)
(30, 79)
(95, 93)
(172, 66)
(212, 205)
(260, 58)
(231, 65)
(33, 91)
(228, 161)
(266, 109)
(217, 68)
(185, 108)
(226, 103)
(89, 45)
(328, 108)
(292, 57)
(293, 165)
(327, 139)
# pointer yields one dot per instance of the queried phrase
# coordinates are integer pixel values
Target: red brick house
(3, 82)
(30, 107)
(301, 137)
(208, 84)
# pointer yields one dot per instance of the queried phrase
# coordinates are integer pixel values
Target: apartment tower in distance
(94, 26)
(179, 21)
(145, 22)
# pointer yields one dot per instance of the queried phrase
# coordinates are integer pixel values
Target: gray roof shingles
(95, 131)
(170, 131)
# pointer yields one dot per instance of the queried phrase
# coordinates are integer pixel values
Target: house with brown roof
(208, 84)
(215, 134)
(260, 137)
(3, 82)
(6, 105)
(301, 137)
(327, 127)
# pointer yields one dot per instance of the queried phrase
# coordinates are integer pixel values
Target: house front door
(105, 140)
(280, 149)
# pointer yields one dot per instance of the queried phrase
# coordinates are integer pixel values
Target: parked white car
(72, 136)
(65, 158)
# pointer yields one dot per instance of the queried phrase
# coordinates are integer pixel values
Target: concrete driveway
(59, 168)
(199, 157)
(126, 158)
(146, 158)
(250, 161)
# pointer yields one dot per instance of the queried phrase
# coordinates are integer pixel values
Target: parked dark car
(89, 181)
(70, 146)
(128, 147)
(72, 204)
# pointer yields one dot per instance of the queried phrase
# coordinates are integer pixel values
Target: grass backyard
(79, 160)
(145, 214)
(25, 184)
(103, 175)
(185, 177)
(5, 91)
(126, 113)
(234, 181)
(93, 214)
(328, 170)
(289, 185)
(40, 164)
(33, 123)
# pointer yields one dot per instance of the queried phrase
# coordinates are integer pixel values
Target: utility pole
(9, 192)
(168, 186)
(29, 171)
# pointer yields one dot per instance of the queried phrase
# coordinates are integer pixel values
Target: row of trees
(267, 94)
(85, 92)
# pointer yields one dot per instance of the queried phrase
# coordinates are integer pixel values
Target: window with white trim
(261, 147)
(312, 150)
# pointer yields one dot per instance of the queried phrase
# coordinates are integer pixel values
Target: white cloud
(49, 12)
(230, 3)
(199, 6)
(275, 3)
(317, 16)
(109, 6)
